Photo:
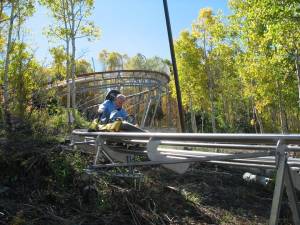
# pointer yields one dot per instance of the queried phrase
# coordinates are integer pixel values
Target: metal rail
(224, 138)
(134, 75)
(276, 145)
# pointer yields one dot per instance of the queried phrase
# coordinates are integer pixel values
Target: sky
(127, 26)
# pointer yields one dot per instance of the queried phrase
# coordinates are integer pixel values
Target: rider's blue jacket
(118, 113)
(109, 112)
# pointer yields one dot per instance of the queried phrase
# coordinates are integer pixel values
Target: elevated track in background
(144, 89)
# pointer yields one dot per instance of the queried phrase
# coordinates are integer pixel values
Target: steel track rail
(224, 138)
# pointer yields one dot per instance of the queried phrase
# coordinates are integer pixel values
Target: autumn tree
(83, 66)
(59, 63)
(71, 23)
(269, 34)
(3, 19)
(18, 11)
(23, 68)
(112, 60)
(211, 85)
(208, 30)
(141, 62)
(191, 74)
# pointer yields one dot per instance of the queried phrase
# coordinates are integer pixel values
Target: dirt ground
(48, 185)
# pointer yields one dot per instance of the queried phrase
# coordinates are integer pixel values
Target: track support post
(292, 197)
(283, 177)
(98, 149)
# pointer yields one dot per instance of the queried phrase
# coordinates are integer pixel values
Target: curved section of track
(144, 89)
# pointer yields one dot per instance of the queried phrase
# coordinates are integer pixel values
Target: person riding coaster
(112, 115)
(107, 106)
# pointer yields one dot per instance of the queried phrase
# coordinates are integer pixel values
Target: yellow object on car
(109, 127)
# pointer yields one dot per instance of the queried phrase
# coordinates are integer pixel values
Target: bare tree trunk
(227, 118)
(273, 117)
(6, 113)
(73, 70)
(297, 63)
(1, 9)
(213, 110)
(283, 119)
(67, 40)
(257, 117)
(21, 87)
(193, 117)
(210, 86)
(73, 56)
(169, 114)
(68, 86)
(202, 121)
(253, 108)
(286, 120)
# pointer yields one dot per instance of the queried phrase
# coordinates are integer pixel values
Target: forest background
(238, 73)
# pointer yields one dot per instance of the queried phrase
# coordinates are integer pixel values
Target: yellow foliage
(2, 42)
(205, 13)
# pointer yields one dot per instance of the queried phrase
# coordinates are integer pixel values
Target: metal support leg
(146, 112)
(155, 109)
(283, 177)
(129, 160)
(291, 195)
(279, 185)
(108, 157)
(98, 149)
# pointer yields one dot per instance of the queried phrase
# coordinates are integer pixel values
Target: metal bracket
(104, 149)
(154, 155)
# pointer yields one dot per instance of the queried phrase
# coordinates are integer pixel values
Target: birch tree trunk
(1, 9)
(20, 89)
(282, 114)
(297, 63)
(283, 119)
(202, 121)
(210, 86)
(73, 55)
(258, 119)
(169, 114)
(67, 40)
(213, 110)
(6, 113)
(73, 70)
(193, 117)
